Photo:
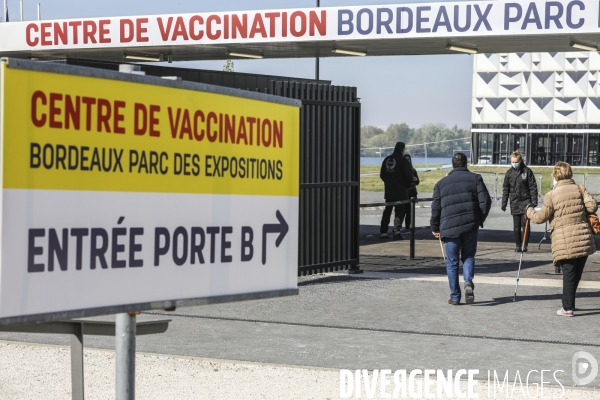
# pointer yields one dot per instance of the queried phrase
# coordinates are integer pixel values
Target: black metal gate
(329, 158)
(329, 175)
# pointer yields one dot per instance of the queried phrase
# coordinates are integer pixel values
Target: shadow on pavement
(557, 296)
(436, 266)
(326, 280)
(369, 234)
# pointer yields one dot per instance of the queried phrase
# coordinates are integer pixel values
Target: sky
(412, 89)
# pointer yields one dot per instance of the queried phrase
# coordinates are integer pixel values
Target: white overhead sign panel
(484, 18)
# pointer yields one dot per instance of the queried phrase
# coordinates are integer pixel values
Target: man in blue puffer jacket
(461, 203)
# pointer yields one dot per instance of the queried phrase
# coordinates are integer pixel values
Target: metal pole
(413, 210)
(77, 387)
(21, 2)
(125, 356)
(5, 11)
(39, 11)
(426, 163)
(317, 59)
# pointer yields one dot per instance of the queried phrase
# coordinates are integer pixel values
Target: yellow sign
(65, 132)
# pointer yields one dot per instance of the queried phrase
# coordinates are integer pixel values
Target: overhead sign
(124, 190)
(414, 20)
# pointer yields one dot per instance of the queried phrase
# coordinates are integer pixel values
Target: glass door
(593, 148)
(557, 148)
(539, 149)
(519, 142)
(501, 153)
(575, 148)
(486, 148)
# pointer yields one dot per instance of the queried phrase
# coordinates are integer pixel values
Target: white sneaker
(564, 313)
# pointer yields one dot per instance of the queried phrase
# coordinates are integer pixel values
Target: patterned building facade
(545, 104)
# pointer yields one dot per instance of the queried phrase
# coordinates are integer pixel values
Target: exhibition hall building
(545, 104)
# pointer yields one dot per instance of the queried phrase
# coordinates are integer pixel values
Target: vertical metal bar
(345, 192)
(21, 5)
(356, 177)
(125, 356)
(77, 387)
(39, 11)
(5, 11)
(413, 210)
(584, 156)
(356, 157)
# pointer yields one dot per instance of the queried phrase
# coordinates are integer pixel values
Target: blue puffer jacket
(461, 203)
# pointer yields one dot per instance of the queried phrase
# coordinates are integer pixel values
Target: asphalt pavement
(396, 314)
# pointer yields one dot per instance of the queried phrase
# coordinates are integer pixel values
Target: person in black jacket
(460, 205)
(520, 186)
(412, 192)
(396, 174)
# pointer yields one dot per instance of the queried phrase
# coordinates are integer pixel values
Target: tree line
(372, 136)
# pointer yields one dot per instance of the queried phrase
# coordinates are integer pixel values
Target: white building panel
(550, 87)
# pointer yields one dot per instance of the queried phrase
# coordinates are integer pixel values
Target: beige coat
(563, 207)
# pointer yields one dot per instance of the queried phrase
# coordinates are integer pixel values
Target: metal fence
(413, 228)
(494, 183)
(592, 183)
(329, 158)
(491, 182)
(329, 175)
(579, 178)
(421, 153)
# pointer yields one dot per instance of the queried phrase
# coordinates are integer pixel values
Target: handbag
(592, 218)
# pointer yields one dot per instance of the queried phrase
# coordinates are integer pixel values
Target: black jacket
(412, 191)
(396, 173)
(461, 203)
(520, 186)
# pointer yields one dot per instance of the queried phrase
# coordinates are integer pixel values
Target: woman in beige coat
(572, 239)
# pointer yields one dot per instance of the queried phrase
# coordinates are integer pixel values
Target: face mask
(516, 166)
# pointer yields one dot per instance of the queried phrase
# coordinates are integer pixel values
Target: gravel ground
(357, 323)
(164, 377)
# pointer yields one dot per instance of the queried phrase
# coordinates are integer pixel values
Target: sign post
(125, 356)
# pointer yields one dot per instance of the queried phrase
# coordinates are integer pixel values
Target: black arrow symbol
(282, 228)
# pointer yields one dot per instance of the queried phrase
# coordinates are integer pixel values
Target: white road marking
(479, 279)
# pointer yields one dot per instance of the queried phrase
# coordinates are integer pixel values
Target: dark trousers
(572, 270)
(387, 214)
(518, 228)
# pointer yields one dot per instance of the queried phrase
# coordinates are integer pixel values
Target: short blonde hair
(562, 170)
(517, 154)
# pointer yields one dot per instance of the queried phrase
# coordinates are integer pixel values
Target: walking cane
(442, 247)
(522, 247)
